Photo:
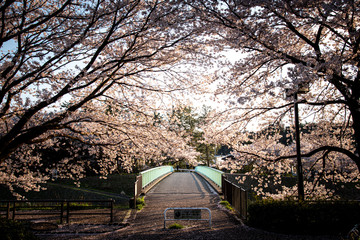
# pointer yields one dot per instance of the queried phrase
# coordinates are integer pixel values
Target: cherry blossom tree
(92, 72)
(284, 46)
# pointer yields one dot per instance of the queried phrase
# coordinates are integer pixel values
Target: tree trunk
(355, 112)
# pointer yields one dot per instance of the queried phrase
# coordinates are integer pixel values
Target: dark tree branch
(326, 149)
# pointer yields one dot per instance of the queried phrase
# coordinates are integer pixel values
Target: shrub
(176, 226)
(14, 230)
(227, 205)
(304, 218)
(140, 203)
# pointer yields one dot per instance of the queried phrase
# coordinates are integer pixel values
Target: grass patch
(15, 230)
(85, 206)
(116, 183)
(140, 203)
(227, 205)
(176, 226)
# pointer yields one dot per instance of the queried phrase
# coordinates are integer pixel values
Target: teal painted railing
(150, 175)
(212, 173)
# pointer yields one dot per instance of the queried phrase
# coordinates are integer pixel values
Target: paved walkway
(185, 189)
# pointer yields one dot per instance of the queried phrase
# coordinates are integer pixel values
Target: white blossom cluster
(285, 48)
(92, 74)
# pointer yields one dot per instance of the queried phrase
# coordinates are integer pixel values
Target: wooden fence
(236, 196)
(61, 207)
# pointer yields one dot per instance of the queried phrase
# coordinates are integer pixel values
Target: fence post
(246, 204)
(111, 211)
(62, 212)
(241, 202)
(233, 195)
(229, 192)
(8, 211)
(224, 190)
(13, 215)
(67, 212)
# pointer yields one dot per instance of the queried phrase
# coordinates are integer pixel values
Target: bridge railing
(145, 178)
(235, 195)
(211, 173)
(150, 175)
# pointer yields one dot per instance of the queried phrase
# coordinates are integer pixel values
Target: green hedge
(315, 218)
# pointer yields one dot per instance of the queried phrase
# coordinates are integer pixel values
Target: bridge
(147, 179)
(215, 181)
(166, 188)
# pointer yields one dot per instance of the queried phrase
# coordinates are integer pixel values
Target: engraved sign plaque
(187, 213)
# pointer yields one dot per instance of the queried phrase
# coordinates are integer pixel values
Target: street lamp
(302, 89)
